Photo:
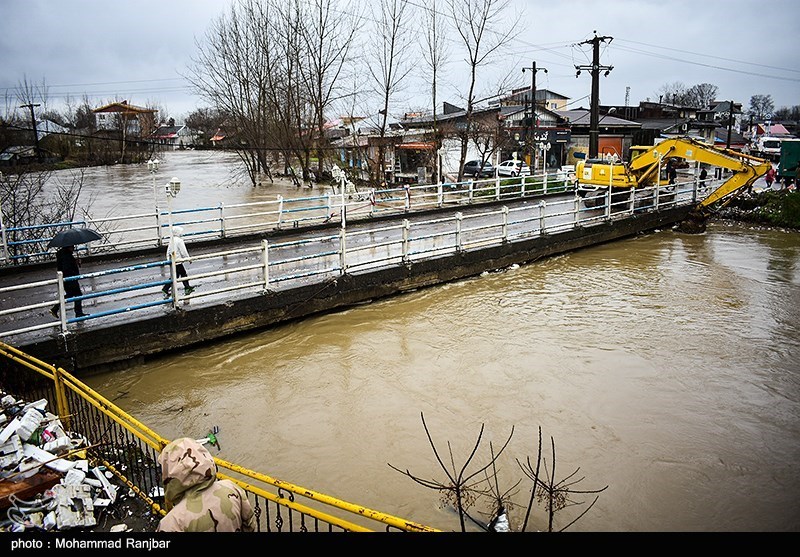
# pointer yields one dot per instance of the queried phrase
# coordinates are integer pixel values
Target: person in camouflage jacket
(195, 499)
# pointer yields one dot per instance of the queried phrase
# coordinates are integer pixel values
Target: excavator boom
(644, 169)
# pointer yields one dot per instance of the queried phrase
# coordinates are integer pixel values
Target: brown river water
(665, 367)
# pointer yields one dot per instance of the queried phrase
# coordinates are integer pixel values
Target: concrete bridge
(267, 278)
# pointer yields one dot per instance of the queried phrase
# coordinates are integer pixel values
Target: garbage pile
(35, 451)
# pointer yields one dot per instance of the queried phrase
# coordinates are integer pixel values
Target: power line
(711, 56)
(732, 70)
(101, 83)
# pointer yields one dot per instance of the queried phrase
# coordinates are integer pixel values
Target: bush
(780, 208)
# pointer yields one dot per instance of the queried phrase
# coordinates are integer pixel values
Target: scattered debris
(46, 482)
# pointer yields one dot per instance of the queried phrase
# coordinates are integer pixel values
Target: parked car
(513, 168)
(473, 168)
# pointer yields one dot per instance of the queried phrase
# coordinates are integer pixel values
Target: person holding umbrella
(68, 264)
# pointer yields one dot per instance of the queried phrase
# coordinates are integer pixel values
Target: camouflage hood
(185, 464)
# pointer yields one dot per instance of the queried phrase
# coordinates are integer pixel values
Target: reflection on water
(664, 366)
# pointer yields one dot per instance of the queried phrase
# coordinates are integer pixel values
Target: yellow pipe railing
(256, 484)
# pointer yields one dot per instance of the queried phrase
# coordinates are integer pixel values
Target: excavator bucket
(695, 222)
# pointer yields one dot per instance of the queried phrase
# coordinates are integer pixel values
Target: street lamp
(172, 189)
(152, 166)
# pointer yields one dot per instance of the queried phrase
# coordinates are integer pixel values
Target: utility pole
(730, 122)
(594, 115)
(534, 124)
(35, 133)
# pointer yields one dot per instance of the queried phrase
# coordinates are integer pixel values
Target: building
(616, 135)
(121, 116)
(174, 137)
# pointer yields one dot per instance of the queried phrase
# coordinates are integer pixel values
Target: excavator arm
(746, 169)
(644, 169)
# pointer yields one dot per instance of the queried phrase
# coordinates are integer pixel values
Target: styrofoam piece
(75, 507)
(27, 468)
(73, 477)
(36, 519)
(9, 430)
(48, 459)
(110, 490)
(157, 491)
(58, 446)
(29, 423)
(11, 452)
(49, 521)
(40, 405)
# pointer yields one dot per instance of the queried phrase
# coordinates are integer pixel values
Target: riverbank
(775, 208)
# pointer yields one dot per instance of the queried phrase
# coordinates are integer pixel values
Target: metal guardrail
(26, 244)
(272, 266)
(130, 450)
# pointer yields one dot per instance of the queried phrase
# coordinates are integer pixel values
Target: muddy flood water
(665, 367)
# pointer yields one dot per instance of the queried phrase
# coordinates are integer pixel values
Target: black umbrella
(73, 237)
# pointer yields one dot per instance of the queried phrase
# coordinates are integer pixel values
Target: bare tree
(464, 487)
(236, 70)
(435, 55)
(701, 95)
(761, 107)
(671, 93)
(391, 52)
(328, 39)
(32, 201)
(484, 29)
(788, 113)
(556, 495)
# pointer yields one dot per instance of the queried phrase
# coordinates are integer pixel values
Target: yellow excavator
(647, 169)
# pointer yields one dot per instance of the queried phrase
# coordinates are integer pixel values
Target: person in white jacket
(178, 247)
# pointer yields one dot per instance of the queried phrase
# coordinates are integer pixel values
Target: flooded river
(207, 178)
(665, 367)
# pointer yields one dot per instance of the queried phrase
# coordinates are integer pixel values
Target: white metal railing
(272, 266)
(146, 230)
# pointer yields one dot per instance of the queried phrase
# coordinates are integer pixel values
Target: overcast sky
(139, 49)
